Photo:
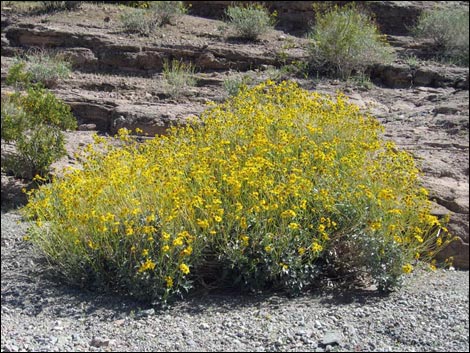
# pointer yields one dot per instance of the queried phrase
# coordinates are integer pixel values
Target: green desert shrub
(60, 5)
(449, 29)
(275, 187)
(138, 21)
(17, 75)
(344, 41)
(33, 123)
(151, 14)
(250, 21)
(167, 12)
(39, 67)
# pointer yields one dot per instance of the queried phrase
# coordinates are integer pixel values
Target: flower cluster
(254, 195)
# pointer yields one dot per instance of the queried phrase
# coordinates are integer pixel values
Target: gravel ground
(430, 313)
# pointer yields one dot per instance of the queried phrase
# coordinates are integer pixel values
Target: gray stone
(331, 338)
(87, 127)
(145, 313)
(99, 342)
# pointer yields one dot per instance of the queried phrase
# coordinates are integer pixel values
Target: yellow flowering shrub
(266, 191)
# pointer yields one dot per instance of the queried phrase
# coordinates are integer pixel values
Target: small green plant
(412, 61)
(14, 120)
(449, 29)
(33, 123)
(345, 41)
(39, 67)
(289, 67)
(296, 68)
(362, 80)
(138, 21)
(234, 84)
(250, 21)
(178, 75)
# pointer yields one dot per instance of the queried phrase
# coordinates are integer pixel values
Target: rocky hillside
(117, 82)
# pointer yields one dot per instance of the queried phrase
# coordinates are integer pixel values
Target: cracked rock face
(117, 82)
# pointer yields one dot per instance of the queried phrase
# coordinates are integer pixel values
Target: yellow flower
(432, 220)
(38, 177)
(188, 251)
(243, 224)
(432, 265)
(92, 245)
(325, 236)
(184, 269)
(129, 231)
(407, 268)
(169, 281)
(316, 247)
(218, 219)
(145, 252)
(148, 229)
(268, 248)
(386, 194)
(375, 226)
(147, 265)
(203, 223)
(424, 191)
(165, 248)
(288, 214)
(301, 251)
(245, 239)
(293, 226)
(178, 241)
